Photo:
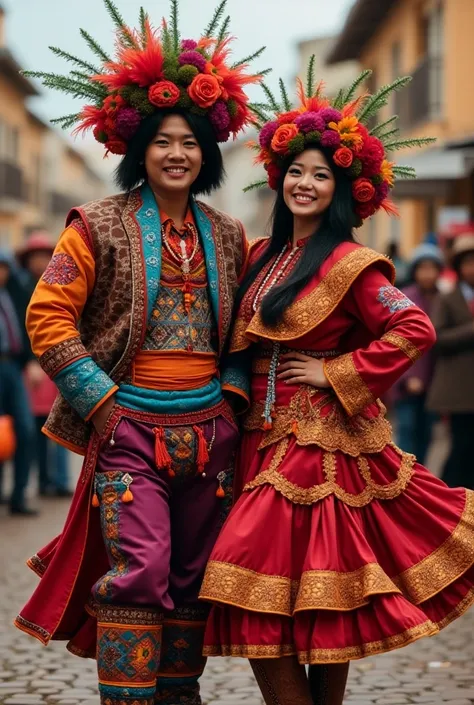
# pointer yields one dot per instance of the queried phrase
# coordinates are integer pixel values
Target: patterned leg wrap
(282, 681)
(182, 662)
(327, 683)
(128, 654)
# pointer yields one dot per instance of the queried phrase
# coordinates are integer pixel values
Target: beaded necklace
(184, 261)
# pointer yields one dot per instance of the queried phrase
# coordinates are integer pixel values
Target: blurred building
(41, 175)
(254, 208)
(433, 41)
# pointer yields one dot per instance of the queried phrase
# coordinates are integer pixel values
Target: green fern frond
(384, 137)
(310, 76)
(65, 84)
(142, 20)
(352, 90)
(255, 185)
(375, 131)
(259, 110)
(66, 121)
(94, 46)
(339, 101)
(175, 24)
(75, 60)
(380, 98)
(217, 17)
(265, 72)
(416, 142)
(167, 40)
(224, 30)
(284, 95)
(248, 59)
(271, 98)
(404, 172)
(117, 18)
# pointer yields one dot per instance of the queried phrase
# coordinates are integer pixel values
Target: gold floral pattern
(352, 391)
(310, 495)
(320, 419)
(250, 650)
(446, 564)
(404, 345)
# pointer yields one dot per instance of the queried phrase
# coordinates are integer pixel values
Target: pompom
(188, 45)
(330, 115)
(138, 99)
(184, 101)
(310, 122)
(371, 154)
(186, 74)
(233, 108)
(116, 146)
(266, 134)
(355, 170)
(381, 193)
(296, 145)
(194, 58)
(100, 135)
(219, 116)
(313, 137)
(127, 123)
(222, 135)
(330, 138)
(170, 70)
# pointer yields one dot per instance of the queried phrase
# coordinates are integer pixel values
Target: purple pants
(159, 525)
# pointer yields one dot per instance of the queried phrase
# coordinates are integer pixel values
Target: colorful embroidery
(392, 298)
(83, 384)
(61, 270)
(110, 488)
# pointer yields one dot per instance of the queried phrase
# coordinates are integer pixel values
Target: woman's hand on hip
(297, 368)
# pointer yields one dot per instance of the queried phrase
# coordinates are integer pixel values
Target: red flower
(274, 175)
(116, 146)
(365, 210)
(100, 133)
(285, 118)
(343, 157)
(163, 94)
(363, 190)
(113, 103)
(372, 155)
(204, 90)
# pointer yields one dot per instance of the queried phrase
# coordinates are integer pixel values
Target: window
(435, 55)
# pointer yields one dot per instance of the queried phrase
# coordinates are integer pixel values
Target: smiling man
(130, 319)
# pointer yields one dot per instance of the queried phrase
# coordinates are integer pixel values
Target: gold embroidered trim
(446, 564)
(459, 610)
(305, 314)
(352, 391)
(310, 495)
(247, 589)
(250, 651)
(352, 653)
(324, 423)
(404, 345)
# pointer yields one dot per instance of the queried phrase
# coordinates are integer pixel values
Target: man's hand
(99, 418)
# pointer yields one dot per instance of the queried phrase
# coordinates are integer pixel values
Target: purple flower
(223, 135)
(330, 138)
(381, 193)
(266, 134)
(128, 120)
(310, 122)
(330, 115)
(194, 58)
(219, 116)
(188, 45)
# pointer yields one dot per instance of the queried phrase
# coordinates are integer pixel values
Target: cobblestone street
(433, 672)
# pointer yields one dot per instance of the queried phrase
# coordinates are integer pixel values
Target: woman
(340, 545)
(414, 421)
(452, 391)
(129, 320)
(51, 458)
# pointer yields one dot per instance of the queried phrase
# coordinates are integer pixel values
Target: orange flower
(282, 136)
(343, 157)
(363, 190)
(163, 94)
(387, 172)
(348, 129)
(204, 90)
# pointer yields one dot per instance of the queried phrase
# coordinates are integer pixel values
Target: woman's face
(173, 159)
(427, 274)
(309, 185)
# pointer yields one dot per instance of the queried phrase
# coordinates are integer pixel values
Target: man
(14, 356)
(130, 319)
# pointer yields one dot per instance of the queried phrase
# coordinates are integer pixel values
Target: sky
(33, 25)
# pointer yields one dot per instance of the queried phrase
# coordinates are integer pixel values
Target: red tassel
(267, 426)
(202, 452)
(127, 496)
(294, 427)
(220, 492)
(95, 500)
(163, 459)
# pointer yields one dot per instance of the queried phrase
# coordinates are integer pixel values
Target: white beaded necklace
(263, 289)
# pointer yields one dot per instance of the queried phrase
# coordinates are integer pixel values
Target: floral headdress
(341, 126)
(155, 69)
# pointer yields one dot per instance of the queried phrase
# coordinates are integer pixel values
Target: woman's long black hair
(336, 227)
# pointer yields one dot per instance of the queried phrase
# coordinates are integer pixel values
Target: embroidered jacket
(88, 317)
(368, 331)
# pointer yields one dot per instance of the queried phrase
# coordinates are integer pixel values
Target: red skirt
(334, 557)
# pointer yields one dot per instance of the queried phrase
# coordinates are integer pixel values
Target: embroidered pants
(161, 511)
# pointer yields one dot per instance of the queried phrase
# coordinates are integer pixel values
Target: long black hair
(336, 227)
(131, 171)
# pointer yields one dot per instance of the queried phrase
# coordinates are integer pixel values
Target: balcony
(422, 100)
(11, 182)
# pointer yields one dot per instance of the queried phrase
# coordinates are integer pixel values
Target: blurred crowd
(438, 277)
(26, 393)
